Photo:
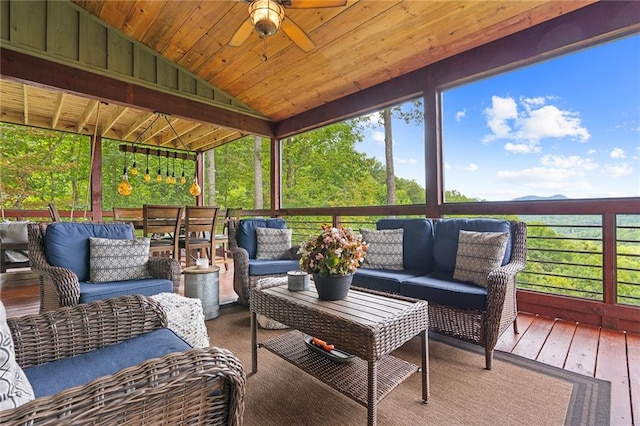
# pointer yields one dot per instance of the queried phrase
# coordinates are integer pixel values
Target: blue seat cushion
(442, 289)
(272, 266)
(90, 292)
(417, 241)
(53, 377)
(446, 231)
(66, 244)
(246, 234)
(382, 279)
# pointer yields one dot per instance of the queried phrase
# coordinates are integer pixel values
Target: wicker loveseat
(457, 308)
(60, 252)
(122, 366)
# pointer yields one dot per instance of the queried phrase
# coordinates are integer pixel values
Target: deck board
(583, 351)
(509, 339)
(555, 351)
(633, 354)
(612, 365)
(530, 344)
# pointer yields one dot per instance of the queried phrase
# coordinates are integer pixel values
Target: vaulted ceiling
(357, 46)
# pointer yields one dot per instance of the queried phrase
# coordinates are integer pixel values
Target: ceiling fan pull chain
(264, 54)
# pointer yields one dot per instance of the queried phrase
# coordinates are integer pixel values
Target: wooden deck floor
(596, 352)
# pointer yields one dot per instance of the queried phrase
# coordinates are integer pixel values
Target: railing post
(609, 278)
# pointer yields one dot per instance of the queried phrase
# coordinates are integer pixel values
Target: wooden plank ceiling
(356, 46)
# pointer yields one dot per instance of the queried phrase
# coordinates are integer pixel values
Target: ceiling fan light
(266, 16)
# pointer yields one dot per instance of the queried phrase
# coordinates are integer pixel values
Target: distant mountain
(537, 198)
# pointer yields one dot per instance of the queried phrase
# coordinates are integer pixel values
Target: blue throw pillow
(417, 246)
(66, 244)
(446, 234)
(246, 234)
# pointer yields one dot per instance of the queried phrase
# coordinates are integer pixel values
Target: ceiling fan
(267, 16)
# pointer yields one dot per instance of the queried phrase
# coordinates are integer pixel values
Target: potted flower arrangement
(332, 257)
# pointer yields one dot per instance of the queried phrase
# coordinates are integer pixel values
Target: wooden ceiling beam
(155, 129)
(25, 107)
(133, 127)
(24, 68)
(113, 118)
(179, 129)
(57, 110)
(86, 114)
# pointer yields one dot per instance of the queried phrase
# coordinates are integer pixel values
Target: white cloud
(378, 137)
(591, 152)
(550, 122)
(530, 121)
(460, 115)
(447, 166)
(406, 161)
(541, 179)
(501, 111)
(472, 167)
(574, 162)
(617, 153)
(618, 170)
(556, 172)
(522, 148)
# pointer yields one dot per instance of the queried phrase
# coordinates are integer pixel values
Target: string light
(134, 168)
(124, 187)
(173, 170)
(159, 176)
(167, 179)
(147, 176)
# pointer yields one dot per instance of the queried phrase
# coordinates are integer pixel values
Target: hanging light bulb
(134, 168)
(159, 176)
(167, 178)
(124, 187)
(173, 170)
(147, 176)
(183, 179)
(195, 188)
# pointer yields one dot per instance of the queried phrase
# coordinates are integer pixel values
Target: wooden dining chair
(162, 224)
(53, 212)
(129, 214)
(222, 240)
(199, 233)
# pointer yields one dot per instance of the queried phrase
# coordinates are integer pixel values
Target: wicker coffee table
(364, 324)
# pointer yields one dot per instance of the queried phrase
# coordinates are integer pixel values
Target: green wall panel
(63, 30)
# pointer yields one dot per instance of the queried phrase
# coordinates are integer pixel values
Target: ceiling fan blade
(298, 36)
(312, 4)
(242, 33)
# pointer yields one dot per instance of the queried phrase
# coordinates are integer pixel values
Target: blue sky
(570, 126)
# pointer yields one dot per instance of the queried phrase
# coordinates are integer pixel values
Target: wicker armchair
(196, 386)
(243, 280)
(59, 287)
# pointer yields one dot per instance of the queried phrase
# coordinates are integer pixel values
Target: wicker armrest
(82, 328)
(197, 386)
(241, 282)
(166, 267)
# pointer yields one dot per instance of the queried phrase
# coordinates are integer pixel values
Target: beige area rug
(516, 392)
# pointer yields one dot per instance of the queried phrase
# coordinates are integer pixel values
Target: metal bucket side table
(204, 284)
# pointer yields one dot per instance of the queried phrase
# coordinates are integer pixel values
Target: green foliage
(319, 168)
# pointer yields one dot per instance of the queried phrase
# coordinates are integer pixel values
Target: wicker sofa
(60, 252)
(114, 362)
(457, 308)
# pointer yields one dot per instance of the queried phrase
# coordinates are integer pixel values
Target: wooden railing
(599, 285)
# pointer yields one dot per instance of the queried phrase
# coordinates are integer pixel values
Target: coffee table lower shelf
(348, 378)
